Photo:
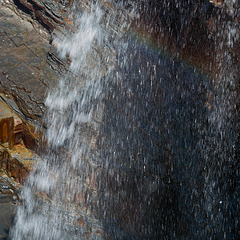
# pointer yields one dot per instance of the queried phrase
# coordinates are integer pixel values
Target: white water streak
(54, 185)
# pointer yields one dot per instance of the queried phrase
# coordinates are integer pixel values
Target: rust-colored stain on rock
(4, 132)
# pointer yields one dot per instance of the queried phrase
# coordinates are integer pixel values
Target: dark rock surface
(9, 191)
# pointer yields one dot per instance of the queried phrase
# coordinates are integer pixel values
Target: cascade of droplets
(221, 138)
(55, 184)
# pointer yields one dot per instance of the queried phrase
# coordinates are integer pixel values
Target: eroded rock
(15, 163)
(15, 158)
(24, 72)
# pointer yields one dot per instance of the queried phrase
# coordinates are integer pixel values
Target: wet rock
(15, 164)
(11, 126)
(14, 130)
(9, 192)
(24, 72)
(15, 158)
(49, 13)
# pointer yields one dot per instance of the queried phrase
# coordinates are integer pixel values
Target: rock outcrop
(15, 162)
(25, 74)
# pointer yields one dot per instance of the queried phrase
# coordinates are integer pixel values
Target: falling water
(140, 145)
(54, 195)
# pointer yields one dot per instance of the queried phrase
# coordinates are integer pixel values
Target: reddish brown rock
(17, 162)
(15, 159)
(7, 123)
(4, 157)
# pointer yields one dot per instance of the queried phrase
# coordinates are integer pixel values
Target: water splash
(54, 194)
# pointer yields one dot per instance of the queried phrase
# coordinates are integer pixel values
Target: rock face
(50, 14)
(22, 93)
(25, 77)
(8, 200)
(24, 68)
(140, 186)
(15, 163)
(16, 159)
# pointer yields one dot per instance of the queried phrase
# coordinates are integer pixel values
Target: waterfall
(140, 143)
(54, 196)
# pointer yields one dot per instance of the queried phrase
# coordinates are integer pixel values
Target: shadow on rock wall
(154, 136)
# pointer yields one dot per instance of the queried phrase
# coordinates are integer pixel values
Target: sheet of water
(53, 195)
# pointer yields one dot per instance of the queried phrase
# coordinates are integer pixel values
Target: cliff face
(23, 83)
(140, 181)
